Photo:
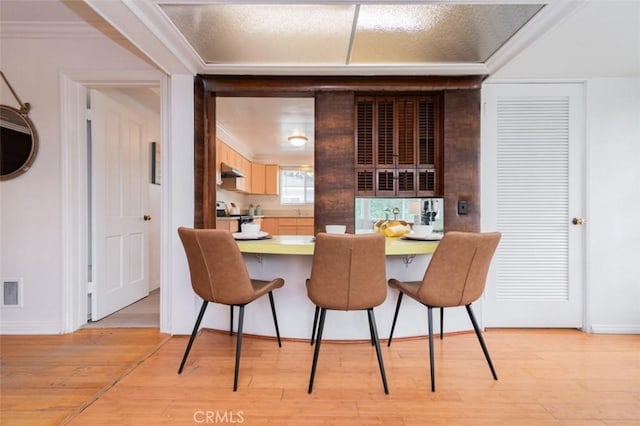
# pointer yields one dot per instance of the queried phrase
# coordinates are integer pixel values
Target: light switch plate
(462, 207)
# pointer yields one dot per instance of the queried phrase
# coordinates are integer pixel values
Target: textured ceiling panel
(435, 33)
(317, 35)
(266, 123)
(266, 34)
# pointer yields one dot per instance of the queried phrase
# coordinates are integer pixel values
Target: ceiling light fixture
(298, 140)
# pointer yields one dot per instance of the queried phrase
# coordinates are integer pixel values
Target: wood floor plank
(45, 379)
(546, 377)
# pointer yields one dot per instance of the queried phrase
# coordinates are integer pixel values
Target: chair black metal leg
(275, 318)
(374, 332)
(441, 321)
(238, 348)
(395, 317)
(371, 331)
(323, 313)
(231, 321)
(193, 335)
(315, 324)
(431, 357)
(481, 340)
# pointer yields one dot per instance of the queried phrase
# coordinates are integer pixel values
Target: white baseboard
(615, 328)
(30, 327)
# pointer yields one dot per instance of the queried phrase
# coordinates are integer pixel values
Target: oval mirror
(18, 142)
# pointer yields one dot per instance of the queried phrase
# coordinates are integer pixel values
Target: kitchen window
(296, 185)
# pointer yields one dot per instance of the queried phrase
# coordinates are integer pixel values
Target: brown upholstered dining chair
(348, 273)
(455, 276)
(219, 275)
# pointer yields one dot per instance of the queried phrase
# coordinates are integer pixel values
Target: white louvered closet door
(532, 188)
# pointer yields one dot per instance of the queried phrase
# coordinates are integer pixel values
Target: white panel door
(532, 189)
(119, 198)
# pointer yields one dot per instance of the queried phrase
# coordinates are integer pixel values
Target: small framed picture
(155, 163)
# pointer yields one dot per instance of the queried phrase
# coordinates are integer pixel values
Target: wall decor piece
(156, 176)
(18, 138)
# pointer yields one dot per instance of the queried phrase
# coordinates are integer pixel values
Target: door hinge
(91, 287)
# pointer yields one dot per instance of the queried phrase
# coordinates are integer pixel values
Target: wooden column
(334, 160)
(462, 158)
(205, 157)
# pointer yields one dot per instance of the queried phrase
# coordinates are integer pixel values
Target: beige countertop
(304, 245)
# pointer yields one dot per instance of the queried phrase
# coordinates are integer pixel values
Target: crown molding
(57, 30)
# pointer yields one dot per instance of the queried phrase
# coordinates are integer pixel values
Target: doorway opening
(79, 209)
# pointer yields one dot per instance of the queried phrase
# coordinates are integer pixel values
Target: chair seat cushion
(409, 288)
(262, 287)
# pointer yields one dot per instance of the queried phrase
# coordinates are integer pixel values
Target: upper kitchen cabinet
(264, 179)
(398, 145)
(231, 158)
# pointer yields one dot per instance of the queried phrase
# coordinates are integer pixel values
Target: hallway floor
(143, 313)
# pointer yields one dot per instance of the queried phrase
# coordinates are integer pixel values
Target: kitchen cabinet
(238, 184)
(305, 226)
(230, 156)
(269, 225)
(257, 178)
(232, 225)
(288, 225)
(398, 146)
(264, 179)
(271, 175)
(226, 154)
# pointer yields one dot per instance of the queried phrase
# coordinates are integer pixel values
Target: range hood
(227, 171)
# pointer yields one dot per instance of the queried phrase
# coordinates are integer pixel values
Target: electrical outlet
(462, 207)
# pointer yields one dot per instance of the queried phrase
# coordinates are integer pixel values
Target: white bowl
(336, 229)
(250, 228)
(422, 229)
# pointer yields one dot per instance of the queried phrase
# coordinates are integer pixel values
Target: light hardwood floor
(128, 376)
(143, 313)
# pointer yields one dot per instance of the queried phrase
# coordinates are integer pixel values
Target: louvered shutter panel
(532, 198)
(385, 182)
(364, 182)
(364, 141)
(406, 131)
(426, 133)
(384, 130)
(406, 182)
(426, 182)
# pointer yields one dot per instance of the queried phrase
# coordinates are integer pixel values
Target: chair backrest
(457, 272)
(348, 271)
(218, 272)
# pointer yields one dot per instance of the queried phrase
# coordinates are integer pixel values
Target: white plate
(436, 236)
(259, 236)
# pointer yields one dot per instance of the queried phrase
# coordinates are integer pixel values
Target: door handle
(146, 217)
(578, 221)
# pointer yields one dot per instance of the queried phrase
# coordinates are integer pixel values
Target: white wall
(600, 45)
(31, 209)
(613, 251)
(30, 205)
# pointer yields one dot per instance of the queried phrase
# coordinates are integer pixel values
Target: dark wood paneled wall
(462, 158)
(334, 160)
(334, 150)
(199, 150)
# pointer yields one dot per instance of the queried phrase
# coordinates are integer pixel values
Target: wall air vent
(11, 292)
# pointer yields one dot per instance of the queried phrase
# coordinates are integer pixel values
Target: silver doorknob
(146, 218)
(578, 221)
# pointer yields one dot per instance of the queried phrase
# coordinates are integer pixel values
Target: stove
(223, 211)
